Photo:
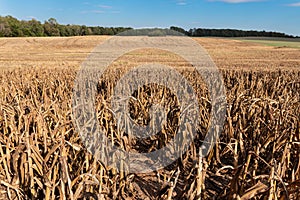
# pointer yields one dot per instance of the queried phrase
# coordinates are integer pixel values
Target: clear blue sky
(273, 15)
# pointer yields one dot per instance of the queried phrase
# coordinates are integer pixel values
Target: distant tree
(96, 30)
(76, 29)
(63, 30)
(85, 30)
(108, 31)
(35, 27)
(51, 27)
(157, 32)
(52, 21)
(15, 26)
(180, 30)
(12, 27)
(5, 30)
(199, 32)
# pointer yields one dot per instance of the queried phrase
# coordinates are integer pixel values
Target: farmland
(275, 42)
(42, 155)
(70, 52)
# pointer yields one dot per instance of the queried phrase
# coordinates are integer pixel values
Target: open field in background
(275, 42)
(42, 156)
(70, 52)
(270, 39)
(46, 52)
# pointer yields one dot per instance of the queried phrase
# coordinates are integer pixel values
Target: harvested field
(71, 51)
(43, 157)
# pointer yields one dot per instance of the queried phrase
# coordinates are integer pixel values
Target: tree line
(201, 32)
(12, 27)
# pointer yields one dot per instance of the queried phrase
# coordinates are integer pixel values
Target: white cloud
(92, 11)
(237, 1)
(181, 2)
(99, 12)
(105, 6)
(294, 4)
(100, 9)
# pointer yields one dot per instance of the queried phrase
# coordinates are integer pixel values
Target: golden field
(42, 155)
(71, 51)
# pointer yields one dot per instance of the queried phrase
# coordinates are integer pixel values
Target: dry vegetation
(42, 156)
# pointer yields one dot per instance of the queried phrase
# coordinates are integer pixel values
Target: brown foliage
(257, 155)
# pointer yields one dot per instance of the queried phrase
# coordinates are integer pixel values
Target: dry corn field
(42, 156)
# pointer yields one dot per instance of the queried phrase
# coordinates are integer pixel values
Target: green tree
(15, 26)
(5, 30)
(51, 27)
(36, 28)
(157, 32)
(85, 30)
(178, 29)
(108, 31)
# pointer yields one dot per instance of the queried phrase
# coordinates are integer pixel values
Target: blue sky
(272, 15)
